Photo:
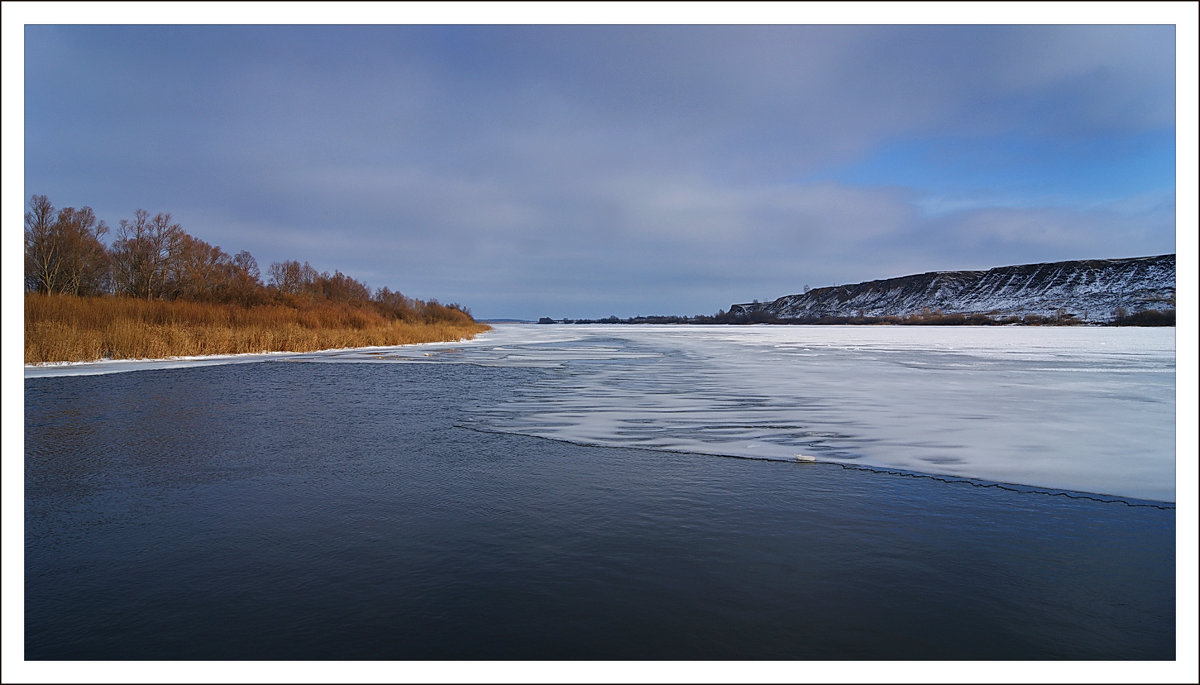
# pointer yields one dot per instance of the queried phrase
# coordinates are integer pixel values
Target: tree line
(151, 257)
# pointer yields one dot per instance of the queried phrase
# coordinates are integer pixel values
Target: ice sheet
(1085, 409)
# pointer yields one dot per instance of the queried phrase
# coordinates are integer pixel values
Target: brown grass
(62, 328)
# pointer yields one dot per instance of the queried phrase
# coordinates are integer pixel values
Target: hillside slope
(1095, 290)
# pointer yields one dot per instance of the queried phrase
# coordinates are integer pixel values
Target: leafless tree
(292, 277)
(143, 253)
(245, 284)
(41, 249)
(341, 288)
(86, 269)
(63, 250)
(197, 271)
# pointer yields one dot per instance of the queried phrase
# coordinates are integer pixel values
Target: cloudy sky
(589, 170)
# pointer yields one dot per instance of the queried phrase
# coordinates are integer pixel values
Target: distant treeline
(152, 258)
(925, 318)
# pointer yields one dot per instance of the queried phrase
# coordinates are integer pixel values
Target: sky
(586, 160)
(587, 170)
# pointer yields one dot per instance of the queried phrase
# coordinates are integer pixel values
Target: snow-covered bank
(103, 366)
(1098, 290)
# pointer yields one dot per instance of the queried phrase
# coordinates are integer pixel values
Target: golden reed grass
(60, 328)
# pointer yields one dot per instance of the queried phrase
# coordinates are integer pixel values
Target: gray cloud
(587, 170)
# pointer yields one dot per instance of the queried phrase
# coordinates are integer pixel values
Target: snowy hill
(1096, 290)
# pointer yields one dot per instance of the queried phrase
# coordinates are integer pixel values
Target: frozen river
(1087, 409)
(1080, 409)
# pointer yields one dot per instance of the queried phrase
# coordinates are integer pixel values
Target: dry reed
(61, 328)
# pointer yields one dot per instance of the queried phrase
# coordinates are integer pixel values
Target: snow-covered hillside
(1097, 290)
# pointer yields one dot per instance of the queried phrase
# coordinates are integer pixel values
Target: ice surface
(1085, 409)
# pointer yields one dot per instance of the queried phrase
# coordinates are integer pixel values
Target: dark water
(341, 511)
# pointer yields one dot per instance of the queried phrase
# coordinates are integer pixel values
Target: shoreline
(223, 355)
(63, 328)
(467, 333)
(106, 365)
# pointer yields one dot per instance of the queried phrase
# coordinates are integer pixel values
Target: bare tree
(246, 264)
(293, 277)
(63, 251)
(41, 249)
(197, 270)
(395, 304)
(143, 252)
(245, 286)
(341, 288)
(131, 258)
(85, 263)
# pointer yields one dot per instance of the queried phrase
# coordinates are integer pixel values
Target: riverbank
(78, 329)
